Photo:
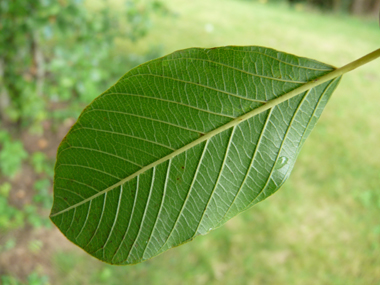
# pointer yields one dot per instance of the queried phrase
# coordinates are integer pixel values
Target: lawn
(323, 226)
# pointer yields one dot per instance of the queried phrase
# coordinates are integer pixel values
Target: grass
(323, 226)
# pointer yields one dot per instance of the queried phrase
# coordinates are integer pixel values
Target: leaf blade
(184, 125)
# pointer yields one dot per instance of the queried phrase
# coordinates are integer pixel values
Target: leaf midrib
(274, 102)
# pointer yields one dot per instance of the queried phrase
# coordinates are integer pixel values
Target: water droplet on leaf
(282, 161)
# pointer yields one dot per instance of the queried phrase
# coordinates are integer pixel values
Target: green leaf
(181, 144)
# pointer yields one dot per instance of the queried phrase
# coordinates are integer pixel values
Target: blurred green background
(322, 227)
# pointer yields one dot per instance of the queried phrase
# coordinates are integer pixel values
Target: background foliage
(321, 227)
(355, 7)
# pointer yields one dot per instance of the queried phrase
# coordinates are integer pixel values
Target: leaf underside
(106, 206)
